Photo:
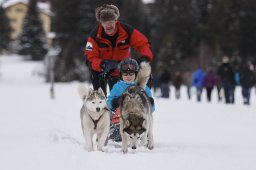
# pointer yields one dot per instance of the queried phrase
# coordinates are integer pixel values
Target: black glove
(104, 75)
(108, 67)
(116, 102)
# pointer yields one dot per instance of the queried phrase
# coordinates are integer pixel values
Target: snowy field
(38, 133)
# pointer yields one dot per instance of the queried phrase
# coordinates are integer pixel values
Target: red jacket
(99, 48)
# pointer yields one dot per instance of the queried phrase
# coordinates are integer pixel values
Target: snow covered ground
(38, 133)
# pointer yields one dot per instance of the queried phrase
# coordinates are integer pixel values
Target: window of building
(19, 10)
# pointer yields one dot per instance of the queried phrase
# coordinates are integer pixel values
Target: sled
(116, 117)
(114, 133)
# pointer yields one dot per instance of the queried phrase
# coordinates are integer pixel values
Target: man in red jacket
(109, 43)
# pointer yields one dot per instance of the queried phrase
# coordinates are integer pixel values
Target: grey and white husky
(136, 113)
(95, 117)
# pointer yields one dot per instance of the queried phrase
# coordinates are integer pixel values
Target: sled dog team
(136, 107)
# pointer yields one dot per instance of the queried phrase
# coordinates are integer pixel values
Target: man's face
(109, 26)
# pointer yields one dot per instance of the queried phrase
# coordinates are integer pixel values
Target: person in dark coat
(156, 83)
(177, 81)
(209, 83)
(227, 76)
(247, 81)
(219, 87)
(187, 80)
(165, 79)
(197, 81)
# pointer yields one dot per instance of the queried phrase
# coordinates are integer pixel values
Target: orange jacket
(99, 48)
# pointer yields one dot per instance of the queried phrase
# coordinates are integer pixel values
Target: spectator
(227, 76)
(165, 80)
(197, 81)
(209, 83)
(247, 80)
(156, 84)
(187, 79)
(218, 85)
(177, 81)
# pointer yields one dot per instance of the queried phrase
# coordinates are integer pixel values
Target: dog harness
(132, 92)
(95, 122)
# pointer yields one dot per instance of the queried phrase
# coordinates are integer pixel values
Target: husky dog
(136, 113)
(95, 117)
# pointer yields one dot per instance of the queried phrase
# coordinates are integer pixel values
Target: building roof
(8, 3)
(42, 6)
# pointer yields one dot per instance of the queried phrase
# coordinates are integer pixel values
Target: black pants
(209, 93)
(165, 90)
(246, 92)
(229, 92)
(99, 82)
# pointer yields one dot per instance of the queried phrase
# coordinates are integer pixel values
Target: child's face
(128, 77)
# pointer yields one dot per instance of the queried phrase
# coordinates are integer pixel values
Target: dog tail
(83, 91)
(143, 74)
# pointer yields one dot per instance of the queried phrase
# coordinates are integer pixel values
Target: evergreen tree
(5, 30)
(247, 29)
(33, 41)
(174, 35)
(137, 19)
(71, 31)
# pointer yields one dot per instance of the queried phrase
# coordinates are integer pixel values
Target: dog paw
(89, 149)
(125, 150)
(101, 150)
(151, 147)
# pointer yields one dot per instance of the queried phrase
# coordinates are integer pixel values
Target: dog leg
(102, 136)
(124, 142)
(88, 141)
(150, 138)
(144, 140)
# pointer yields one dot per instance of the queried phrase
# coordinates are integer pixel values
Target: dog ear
(143, 122)
(100, 91)
(83, 91)
(90, 91)
(127, 97)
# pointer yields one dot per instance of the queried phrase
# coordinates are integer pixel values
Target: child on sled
(128, 69)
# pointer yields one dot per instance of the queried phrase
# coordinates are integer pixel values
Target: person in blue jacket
(197, 81)
(128, 71)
